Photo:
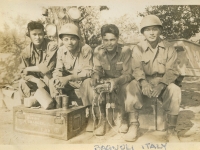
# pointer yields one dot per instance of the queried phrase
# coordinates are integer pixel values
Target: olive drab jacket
(148, 62)
(118, 66)
(70, 65)
(45, 59)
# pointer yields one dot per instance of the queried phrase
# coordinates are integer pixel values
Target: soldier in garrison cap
(112, 62)
(38, 60)
(155, 73)
(74, 61)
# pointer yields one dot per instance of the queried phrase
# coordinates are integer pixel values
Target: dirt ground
(188, 126)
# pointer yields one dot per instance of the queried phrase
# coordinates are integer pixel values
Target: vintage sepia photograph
(101, 75)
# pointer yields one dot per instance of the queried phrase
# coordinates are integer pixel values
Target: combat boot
(171, 128)
(100, 115)
(101, 127)
(92, 121)
(124, 123)
(131, 135)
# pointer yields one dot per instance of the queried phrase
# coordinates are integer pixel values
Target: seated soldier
(112, 62)
(74, 62)
(154, 68)
(38, 61)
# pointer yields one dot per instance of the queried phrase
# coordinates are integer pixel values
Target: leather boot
(131, 135)
(92, 121)
(124, 123)
(100, 115)
(171, 128)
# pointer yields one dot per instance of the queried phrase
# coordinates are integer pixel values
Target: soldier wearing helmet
(74, 61)
(153, 64)
(38, 61)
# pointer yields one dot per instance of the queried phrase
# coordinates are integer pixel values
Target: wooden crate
(56, 123)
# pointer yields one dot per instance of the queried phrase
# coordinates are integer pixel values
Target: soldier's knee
(133, 86)
(174, 94)
(87, 81)
(86, 84)
(173, 88)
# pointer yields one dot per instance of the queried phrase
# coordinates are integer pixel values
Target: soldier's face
(37, 36)
(70, 42)
(110, 41)
(152, 33)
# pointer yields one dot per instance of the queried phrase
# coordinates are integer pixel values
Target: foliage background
(179, 21)
(12, 42)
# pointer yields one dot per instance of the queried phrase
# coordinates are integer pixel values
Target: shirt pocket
(105, 66)
(119, 65)
(161, 61)
(145, 61)
(161, 65)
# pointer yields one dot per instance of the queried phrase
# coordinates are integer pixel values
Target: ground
(188, 126)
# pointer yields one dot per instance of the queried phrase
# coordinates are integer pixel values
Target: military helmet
(71, 29)
(149, 20)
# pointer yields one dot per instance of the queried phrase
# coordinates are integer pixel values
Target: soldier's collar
(43, 46)
(65, 51)
(117, 49)
(146, 45)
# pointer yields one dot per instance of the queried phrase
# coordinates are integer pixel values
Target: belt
(155, 75)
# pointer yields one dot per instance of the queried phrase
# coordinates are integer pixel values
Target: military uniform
(156, 67)
(154, 64)
(44, 58)
(109, 67)
(70, 65)
(106, 66)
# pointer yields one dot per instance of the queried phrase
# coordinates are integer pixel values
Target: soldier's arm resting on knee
(46, 65)
(138, 72)
(171, 73)
(126, 73)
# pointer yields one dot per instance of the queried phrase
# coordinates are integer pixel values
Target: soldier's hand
(94, 80)
(157, 90)
(64, 80)
(146, 88)
(56, 83)
(113, 84)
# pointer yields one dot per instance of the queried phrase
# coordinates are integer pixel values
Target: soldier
(154, 68)
(74, 61)
(38, 61)
(112, 62)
